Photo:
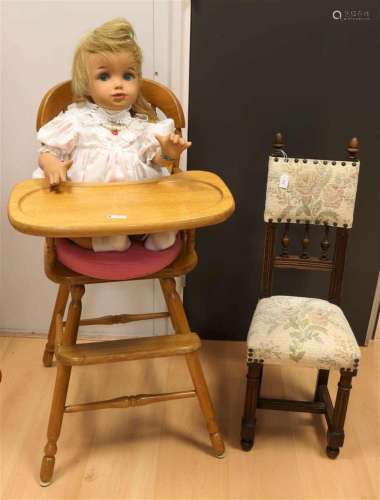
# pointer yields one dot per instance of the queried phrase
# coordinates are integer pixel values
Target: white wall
(38, 40)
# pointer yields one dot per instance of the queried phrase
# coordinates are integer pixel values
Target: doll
(110, 133)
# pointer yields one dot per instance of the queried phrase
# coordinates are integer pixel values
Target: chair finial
(278, 141)
(353, 148)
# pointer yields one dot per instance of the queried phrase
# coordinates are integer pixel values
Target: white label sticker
(117, 216)
(284, 181)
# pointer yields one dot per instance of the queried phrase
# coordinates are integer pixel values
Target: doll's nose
(118, 83)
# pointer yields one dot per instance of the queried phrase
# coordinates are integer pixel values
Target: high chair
(183, 208)
(301, 331)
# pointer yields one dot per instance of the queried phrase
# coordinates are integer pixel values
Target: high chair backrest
(59, 97)
(309, 193)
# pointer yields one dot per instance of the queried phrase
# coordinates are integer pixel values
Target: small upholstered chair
(73, 267)
(302, 331)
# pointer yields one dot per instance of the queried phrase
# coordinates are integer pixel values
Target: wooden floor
(162, 451)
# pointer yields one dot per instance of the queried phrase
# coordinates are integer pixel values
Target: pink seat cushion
(135, 262)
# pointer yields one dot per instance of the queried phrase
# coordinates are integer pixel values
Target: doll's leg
(117, 243)
(160, 241)
(83, 242)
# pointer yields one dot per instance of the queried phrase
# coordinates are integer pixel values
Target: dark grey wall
(262, 66)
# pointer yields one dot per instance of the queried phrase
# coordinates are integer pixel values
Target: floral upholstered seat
(303, 331)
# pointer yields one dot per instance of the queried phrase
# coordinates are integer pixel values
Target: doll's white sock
(160, 241)
(117, 243)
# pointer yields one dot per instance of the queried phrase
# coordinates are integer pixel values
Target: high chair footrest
(113, 351)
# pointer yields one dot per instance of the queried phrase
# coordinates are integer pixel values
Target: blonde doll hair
(114, 36)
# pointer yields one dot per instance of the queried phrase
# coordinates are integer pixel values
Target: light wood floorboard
(162, 451)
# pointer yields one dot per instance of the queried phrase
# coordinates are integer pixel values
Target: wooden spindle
(336, 280)
(305, 242)
(269, 255)
(353, 149)
(285, 240)
(325, 244)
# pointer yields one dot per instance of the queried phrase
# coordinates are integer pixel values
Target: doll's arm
(54, 169)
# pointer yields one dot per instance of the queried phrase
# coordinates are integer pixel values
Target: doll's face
(113, 79)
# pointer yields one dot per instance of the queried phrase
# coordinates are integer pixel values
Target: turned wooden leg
(181, 326)
(323, 378)
(335, 434)
(174, 305)
(55, 423)
(61, 387)
(248, 423)
(205, 403)
(59, 308)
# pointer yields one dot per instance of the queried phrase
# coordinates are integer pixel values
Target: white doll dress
(80, 134)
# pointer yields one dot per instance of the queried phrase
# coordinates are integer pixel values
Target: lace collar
(102, 115)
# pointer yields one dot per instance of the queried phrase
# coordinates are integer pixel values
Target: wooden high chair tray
(182, 201)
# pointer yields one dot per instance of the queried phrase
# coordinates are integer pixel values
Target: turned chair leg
(323, 378)
(205, 403)
(175, 307)
(181, 326)
(335, 434)
(248, 424)
(61, 387)
(59, 308)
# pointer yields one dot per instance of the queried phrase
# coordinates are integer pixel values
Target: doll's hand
(55, 170)
(58, 173)
(172, 145)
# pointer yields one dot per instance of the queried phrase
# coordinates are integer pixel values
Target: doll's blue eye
(103, 76)
(128, 76)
